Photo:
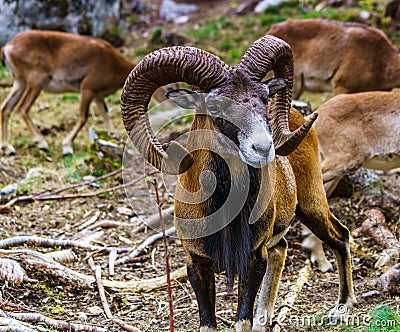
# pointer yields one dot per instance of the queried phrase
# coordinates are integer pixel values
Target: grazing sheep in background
(59, 62)
(339, 57)
(263, 172)
(355, 130)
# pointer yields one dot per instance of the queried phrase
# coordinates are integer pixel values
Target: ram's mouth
(255, 159)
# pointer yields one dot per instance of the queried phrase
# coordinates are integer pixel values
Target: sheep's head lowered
(224, 227)
(212, 76)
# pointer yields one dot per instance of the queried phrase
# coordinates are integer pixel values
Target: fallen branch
(11, 271)
(50, 197)
(111, 262)
(58, 324)
(303, 277)
(80, 184)
(142, 247)
(375, 226)
(8, 324)
(154, 219)
(109, 224)
(125, 326)
(145, 285)
(387, 283)
(100, 287)
(50, 243)
(48, 265)
(104, 303)
(62, 256)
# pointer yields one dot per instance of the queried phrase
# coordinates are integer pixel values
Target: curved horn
(164, 66)
(271, 53)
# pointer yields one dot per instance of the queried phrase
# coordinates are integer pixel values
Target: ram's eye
(264, 99)
(213, 109)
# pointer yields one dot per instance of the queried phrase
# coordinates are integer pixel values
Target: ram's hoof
(68, 151)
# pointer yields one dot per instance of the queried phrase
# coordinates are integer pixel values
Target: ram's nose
(262, 145)
(257, 150)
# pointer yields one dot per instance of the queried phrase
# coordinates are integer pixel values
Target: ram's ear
(275, 84)
(184, 98)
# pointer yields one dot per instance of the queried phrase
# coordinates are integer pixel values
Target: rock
(246, 7)
(264, 4)
(104, 147)
(136, 6)
(365, 15)
(87, 17)
(125, 211)
(170, 10)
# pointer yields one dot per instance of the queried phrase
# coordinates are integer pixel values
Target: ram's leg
(86, 98)
(5, 110)
(314, 245)
(248, 288)
(329, 229)
(103, 110)
(28, 98)
(201, 278)
(269, 290)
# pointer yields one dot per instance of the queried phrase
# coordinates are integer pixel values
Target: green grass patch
(22, 142)
(384, 319)
(380, 319)
(70, 97)
(4, 72)
(156, 35)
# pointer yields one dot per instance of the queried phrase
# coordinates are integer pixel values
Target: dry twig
(100, 287)
(154, 219)
(106, 308)
(79, 184)
(8, 324)
(48, 265)
(58, 324)
(304, 275)
(51, 196)
(167, 269)
(50, 243)
(142, 247)
(125, 326)
(145, 285)
(111, 262)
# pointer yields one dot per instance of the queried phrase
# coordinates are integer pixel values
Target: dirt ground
(108, 219)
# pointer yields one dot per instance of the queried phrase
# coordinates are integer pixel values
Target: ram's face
(238, 114)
